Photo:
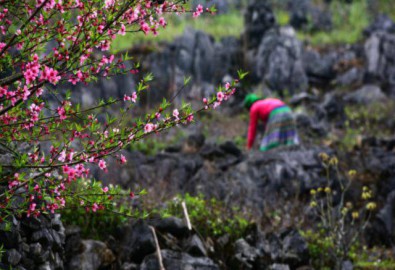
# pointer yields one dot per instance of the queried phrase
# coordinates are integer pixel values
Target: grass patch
(282, 17)
(219, 26)
(387, 264)
(386, 7)
(348, 20)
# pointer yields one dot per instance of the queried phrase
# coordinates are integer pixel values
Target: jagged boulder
(381, 23)
(258, 19)
(135, 242)
(380, 55)
(368, 94)
(279, 62)
(178, 261)
(35, 242)
(305, 15)
(94, 255)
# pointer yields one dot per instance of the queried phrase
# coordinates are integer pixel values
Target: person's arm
(252, 128)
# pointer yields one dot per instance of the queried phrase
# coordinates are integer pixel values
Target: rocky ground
(343, 98)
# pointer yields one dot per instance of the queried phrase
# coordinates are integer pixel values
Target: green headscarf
(250, 99)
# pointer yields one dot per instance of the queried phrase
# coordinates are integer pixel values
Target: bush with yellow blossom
(340, 222)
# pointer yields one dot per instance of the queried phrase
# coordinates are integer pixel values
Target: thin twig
(161, 267)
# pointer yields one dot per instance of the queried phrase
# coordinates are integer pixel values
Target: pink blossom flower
(130, 137)
(83, 58)
(2, 45)
(12, 184)
(61, 201)
(70, 156)
(26, 93)
(220, 96)
(95, 207)
(50, 75)
(148, 128)
(190, 118)
(32, 207)
(216, 104)
(102, 164)
(80, 169)
(39, 92)
(62, 156)
(199, 10)
(162, 22)
(105, 189)
(144, 27)
(176, 113)
(73, 80)
(62, 113)
(109, 3)
(52, 207)
(105, 45)
(122, 31)
(123, 159)
(134, 97)
(19, 46)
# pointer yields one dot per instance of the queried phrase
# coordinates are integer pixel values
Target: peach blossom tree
(45, 43)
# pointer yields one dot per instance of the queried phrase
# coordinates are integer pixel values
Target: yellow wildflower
(352, 173)
(334, 161)
(324, 156)
(349, 205)
(371, 206)
(366, 195)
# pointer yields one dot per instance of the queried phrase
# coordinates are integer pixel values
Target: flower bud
(371, 206)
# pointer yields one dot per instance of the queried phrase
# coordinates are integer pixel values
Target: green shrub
(117, 206)
(209, 217)
(338, 225)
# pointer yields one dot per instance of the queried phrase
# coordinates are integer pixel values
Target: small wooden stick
(161, 267)
(184, 206)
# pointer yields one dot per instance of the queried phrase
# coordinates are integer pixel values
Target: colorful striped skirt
(280, 129)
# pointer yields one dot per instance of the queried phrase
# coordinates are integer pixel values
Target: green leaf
(187, 80)
(213, 9)
(68, 94)
(241, 74)
(148, 77)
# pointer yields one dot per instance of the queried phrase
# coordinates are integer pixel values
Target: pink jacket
(261, 109)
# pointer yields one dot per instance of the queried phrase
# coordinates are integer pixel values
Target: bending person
(279, 125)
